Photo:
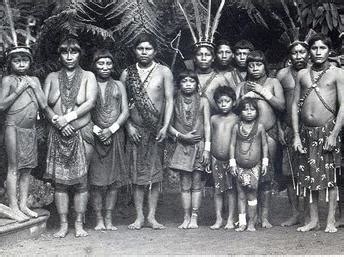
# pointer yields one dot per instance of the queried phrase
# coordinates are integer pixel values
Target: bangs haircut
(196, 48)
(250, 101)
(222, 42)
(243, 44)
(224, 91)
(102, 53)
(319, 36)
(187, 73)
(257, 56)
(145, 37)
(69, 44)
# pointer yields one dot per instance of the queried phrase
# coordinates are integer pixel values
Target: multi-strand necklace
(146, 74)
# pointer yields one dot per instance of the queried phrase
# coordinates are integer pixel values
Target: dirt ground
(174, 241)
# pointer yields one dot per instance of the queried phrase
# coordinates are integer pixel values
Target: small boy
(248, 160)
(20, 97)
(191, 128)
(222, 124)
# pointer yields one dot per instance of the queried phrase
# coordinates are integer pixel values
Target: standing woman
(108, 168)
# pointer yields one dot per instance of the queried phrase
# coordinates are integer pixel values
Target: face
(204, 58)
(319, 52)
(256, 69)
(224, 55)
(20, 64)
(188, 85)
(249, 113)
(145, 53)
(225, 104)
(103, 67)
(70, 58)
(299, 56)
(240, 56)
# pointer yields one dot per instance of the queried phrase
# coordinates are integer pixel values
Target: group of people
(226, 116)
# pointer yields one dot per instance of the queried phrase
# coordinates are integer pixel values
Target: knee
(186, 186)
(265, 186)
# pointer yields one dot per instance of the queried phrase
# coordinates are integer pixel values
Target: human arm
(232, 162)
(168, 94)
(281, 134)
(207, 131)
(51, 115)
(107, 132)
(7, 98)
(331, 140)
(297, 145)
(265, 149)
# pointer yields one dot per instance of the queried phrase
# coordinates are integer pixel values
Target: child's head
(19, 62)
(188, 82)
(248, 109)
(224, 98)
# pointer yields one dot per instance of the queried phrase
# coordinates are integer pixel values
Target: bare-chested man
(270, 98)
(317, 118)
(71, 93)
(241, 49)
(298, 55)
(150, 92)
(224, 56)
(209, 79)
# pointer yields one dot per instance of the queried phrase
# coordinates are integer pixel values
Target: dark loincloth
(249, 177)
(223, 180)
(188, 157)
(273, 132)
(66, 158)
(109, 162)
(288, 160)
(317, 168)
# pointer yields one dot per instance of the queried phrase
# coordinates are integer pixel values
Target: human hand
(21, 86)
(205, 158)
(264, 170)
(133, 134)
(208, 169)
(161, 134)
(67, 131)
(104, 134)
(234, 170)
(250, 94)
(32, 83)
(61, 122)
(108, 141)
(190, 137)
(330, 143)
(253, 86)
(297, 145)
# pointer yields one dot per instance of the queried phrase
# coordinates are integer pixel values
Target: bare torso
(221, 135)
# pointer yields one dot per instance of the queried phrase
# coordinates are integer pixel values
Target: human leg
(186, 181)
(97, 203)
(62, 203)
(196, 197)
(218, 201)
(252, 209)
(231, 208)
(331, 220)
(12, 173)
(241, 208)
(110, 203)
(153, 197)
(24, 184)
(138, 200)
(313, 211)
(340, 222)
(80, 206)
(265, 198)
(294, 203)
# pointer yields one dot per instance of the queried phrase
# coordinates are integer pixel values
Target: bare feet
(19, 216)
(250, 226)
(330, 228)
(229, 225)
(138, 223)
(108, 225)
(241, 228)
(100, 225)
(218, 224)
(154, 224)
(266, 223)
(62, 231)
(340, 223)
(293, 220)
(28, 212)
(79, 230)
(193, 222)
(308, 227)
(185, 223)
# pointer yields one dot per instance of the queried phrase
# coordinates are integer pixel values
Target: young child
(20, 97)
(248, 160)
(222, 124)
(191, 128)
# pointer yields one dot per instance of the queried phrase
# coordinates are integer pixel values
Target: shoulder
(89, 74)
(8, 79)
(303, 72)
(337, 71)
(164, 69)
(282, 73)
(52, 75)
(272, 80)
(261, 127)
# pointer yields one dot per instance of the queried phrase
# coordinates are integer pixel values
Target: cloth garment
(223, 180)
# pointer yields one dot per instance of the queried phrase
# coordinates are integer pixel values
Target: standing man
(224, 56)
(317, 118)
(71, 93)
(150, 92)
(241, 49)
(298, 55)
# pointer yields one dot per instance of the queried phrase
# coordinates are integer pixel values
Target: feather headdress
(206, 37)
(293, 37)
(12, 44)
